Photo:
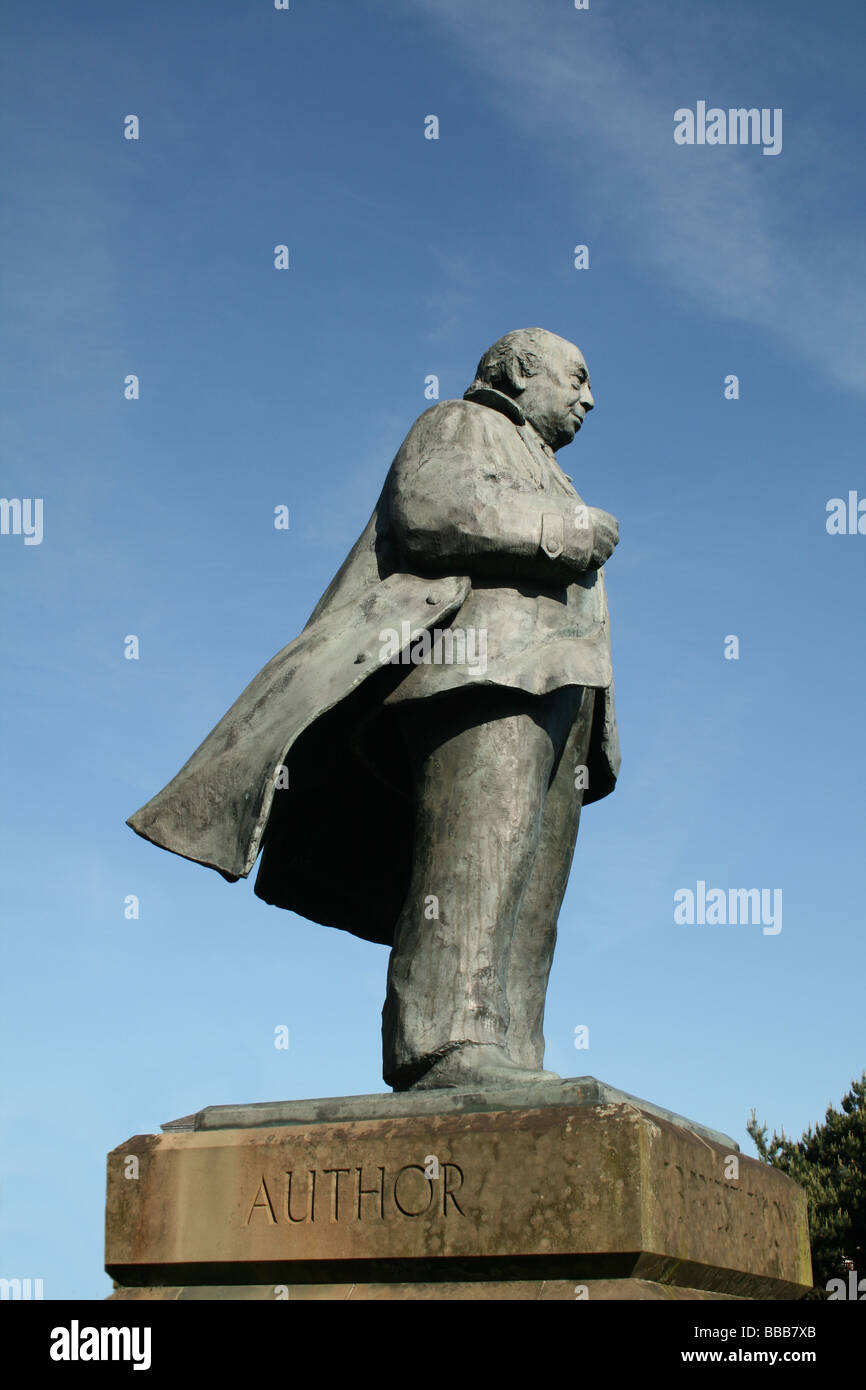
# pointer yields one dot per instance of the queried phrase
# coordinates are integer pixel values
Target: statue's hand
(605, 536)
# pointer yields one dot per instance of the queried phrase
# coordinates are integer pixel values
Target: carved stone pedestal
(567, 1190)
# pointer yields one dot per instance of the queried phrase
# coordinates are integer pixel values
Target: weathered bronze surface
(413, 766)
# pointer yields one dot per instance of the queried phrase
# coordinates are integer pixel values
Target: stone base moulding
(573, 1195)
(490, 1291)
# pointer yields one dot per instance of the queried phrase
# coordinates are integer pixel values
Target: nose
(586, 399)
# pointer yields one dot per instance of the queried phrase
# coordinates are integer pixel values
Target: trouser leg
(534, 936)
(480, 769)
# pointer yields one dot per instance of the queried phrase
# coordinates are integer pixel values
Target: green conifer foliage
(829, 1162)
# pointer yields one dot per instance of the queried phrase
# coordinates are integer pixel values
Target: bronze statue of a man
(413, 765)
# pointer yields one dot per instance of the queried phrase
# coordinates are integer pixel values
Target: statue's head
(548, 376)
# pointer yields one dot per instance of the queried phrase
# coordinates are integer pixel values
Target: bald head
(547, 374)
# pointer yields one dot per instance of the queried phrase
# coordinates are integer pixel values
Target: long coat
(473, 529)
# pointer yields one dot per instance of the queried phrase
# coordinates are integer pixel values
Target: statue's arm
(455, 507)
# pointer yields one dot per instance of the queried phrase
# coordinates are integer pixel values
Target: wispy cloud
(723, 225)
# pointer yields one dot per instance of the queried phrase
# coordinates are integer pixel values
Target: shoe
(481, 1065)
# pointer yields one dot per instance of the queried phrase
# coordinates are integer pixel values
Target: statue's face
(558, 397)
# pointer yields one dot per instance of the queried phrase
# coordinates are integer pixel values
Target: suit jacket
(476, 527)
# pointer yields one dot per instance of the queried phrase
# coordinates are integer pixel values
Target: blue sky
(258, 387)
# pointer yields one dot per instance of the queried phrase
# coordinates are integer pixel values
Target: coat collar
(482, 394)
(497, 400)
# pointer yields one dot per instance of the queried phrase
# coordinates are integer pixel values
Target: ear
(520, 368)
(515, 381)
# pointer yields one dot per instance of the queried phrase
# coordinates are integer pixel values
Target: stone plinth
(565, 1197)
